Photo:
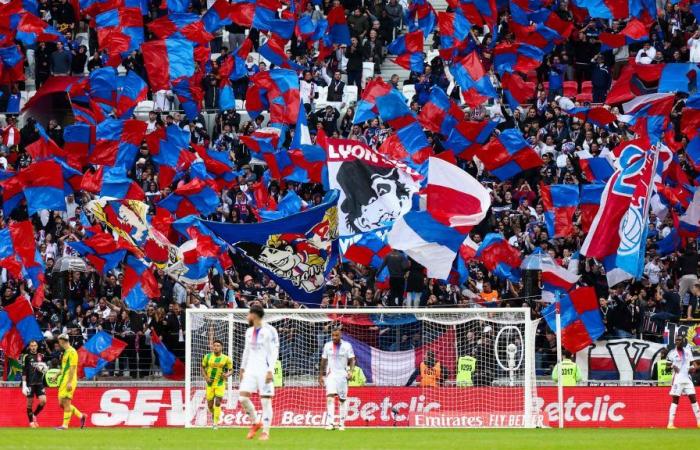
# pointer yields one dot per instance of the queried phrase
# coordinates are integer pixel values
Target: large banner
(374, 190)
(367, 406)
(618, 359)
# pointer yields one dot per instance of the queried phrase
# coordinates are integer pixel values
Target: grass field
(310, 439)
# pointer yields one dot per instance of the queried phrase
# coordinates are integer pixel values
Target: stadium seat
(350, 95)
(432, 54)
(367, 72)
(83, 39)
(142, 109)
(584, 97)
(409, 90)
(321, 101)
(255, 56)
(587, 87)
(570, 89)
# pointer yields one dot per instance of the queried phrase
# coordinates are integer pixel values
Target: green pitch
(311, 439)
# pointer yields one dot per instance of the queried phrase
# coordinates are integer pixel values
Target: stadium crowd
(80, 303)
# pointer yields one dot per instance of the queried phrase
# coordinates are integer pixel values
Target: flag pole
(560, 386)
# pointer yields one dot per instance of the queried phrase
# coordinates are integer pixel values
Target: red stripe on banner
(643, 366)
(606, 364)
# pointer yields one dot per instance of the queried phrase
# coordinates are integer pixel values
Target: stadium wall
(148, 406)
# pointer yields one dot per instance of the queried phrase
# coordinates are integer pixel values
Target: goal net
(417, 367)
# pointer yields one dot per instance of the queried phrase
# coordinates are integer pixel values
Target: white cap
(63, 337)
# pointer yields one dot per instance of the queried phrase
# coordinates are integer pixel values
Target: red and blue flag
(32, 29)
(170, 366)
(101, 250)
(515, 90)
(18, 326)
(454, 34)
(12, 61)
(117, 142)
(517, 57)
(471, 77)
(195, 197)
(276, 90)
(181, 25)
(113, 183)
(596, 169)
(175, 6)
(190, 95)
(508, 154)
(120, 32)
(167, 60)
(590, 202)
(560, 202)
(581, 322)
(338, 31)
(634, 32)
(468, 136)
(420, 15)
(139, 284)
(98, 351)
(369, 250)
(499, 257)
(169, 148)
(440, 114)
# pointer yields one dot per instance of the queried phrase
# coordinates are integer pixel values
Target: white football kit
(337, 357)
(259, 357)
(681, 360)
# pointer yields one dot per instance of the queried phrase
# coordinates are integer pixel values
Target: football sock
(30, 415)
(217, 414)
(38, 409)
(330, 408)
(343, 412)
(249, 409)
(266, 414)
(696, 411)
(76, 412)
(672, 413)
(66, 418)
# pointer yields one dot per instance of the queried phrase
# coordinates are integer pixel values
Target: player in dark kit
(35, 366)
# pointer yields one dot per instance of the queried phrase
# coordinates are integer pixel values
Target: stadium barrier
(149, 406)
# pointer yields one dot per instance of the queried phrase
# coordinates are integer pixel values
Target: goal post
(417, 367)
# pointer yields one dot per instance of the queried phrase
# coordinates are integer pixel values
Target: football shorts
(682, 388)
(255, 382)
(215, 391)
(337, 385)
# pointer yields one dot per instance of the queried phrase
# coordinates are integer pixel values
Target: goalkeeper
(216, 369)
(33, 385)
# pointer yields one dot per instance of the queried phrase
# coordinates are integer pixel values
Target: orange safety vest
(429, 376)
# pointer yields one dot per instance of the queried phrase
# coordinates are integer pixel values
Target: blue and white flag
(297, 252)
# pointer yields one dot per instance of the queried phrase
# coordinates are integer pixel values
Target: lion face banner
(374, 191)
(297, 252)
